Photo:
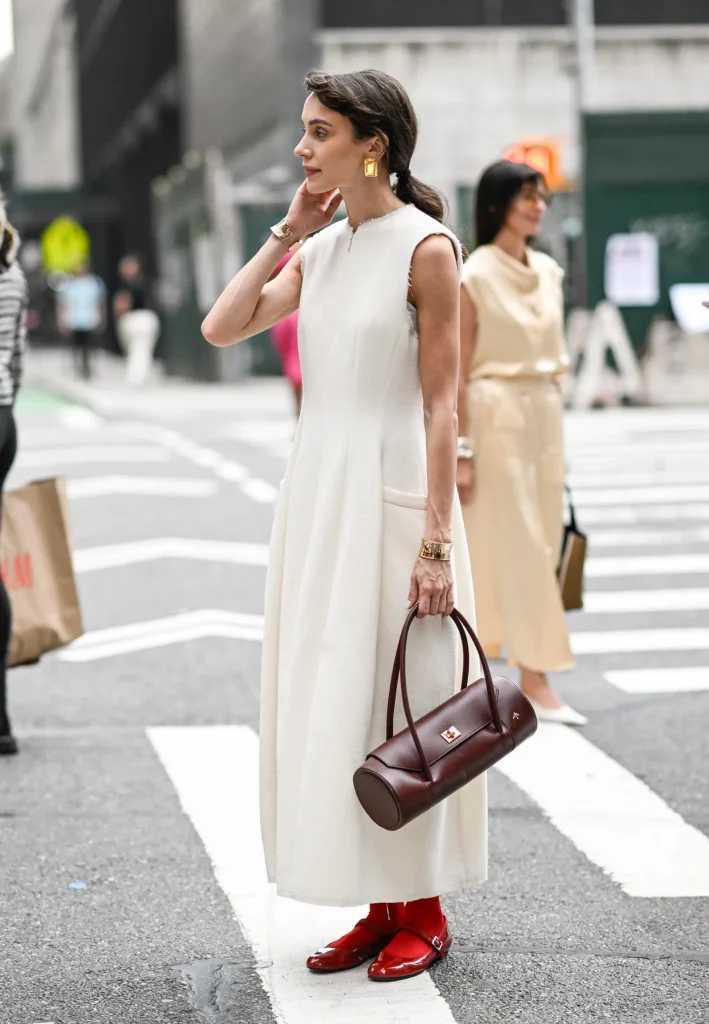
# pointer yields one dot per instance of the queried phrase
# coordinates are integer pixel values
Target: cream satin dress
(347, 531)
(514, 524)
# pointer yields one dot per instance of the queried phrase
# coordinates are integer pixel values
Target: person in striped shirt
(13, 309)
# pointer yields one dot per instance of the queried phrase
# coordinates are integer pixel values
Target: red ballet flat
(387, 967)
(335, 958)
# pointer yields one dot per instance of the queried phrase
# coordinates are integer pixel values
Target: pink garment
(285, 339)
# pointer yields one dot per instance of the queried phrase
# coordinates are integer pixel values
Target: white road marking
(203, 764)
(261, 432)
(178, 629)
(646, 538)
(687, 679)
(208, 458)
(260, 490)
(627, 601)
(640, 460)
(110, 556)
(76, 417)
(66, 456)
(616, 450)
(157, 486)
(630, 641)
(273, 436)
(647, 565)
(643, 514)
(651, 477)
(640, 495)
(616, 820)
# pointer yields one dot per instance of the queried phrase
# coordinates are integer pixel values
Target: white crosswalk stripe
(649, 554)
(203, 764)
(660, 680)
(66, 455)
(610, 815)
(640, 486)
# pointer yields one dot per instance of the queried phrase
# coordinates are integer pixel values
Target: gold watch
(283, 231)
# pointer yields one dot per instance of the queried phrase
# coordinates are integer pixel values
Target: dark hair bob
(499, 186)
(377, 104)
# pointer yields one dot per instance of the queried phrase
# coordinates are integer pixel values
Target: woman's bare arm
(465, 472)
(435, 287)
(468, 335)
(251, 302)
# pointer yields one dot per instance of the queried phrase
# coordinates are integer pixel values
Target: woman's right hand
(310, 212)
(465, 480)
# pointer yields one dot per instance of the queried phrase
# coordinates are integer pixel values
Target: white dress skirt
(347, 531)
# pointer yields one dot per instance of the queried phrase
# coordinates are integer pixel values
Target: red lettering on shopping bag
(17, 572)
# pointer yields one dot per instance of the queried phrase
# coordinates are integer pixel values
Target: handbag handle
(572, 510)
(399, 670)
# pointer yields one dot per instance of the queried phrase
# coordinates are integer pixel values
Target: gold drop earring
(371, 167)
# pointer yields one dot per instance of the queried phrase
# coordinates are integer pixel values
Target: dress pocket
(404, 498)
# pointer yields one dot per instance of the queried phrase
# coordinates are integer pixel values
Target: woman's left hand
(432, 587)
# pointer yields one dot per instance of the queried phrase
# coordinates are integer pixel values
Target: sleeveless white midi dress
(347, 529)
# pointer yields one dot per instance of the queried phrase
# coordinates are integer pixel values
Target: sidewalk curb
(74, 391)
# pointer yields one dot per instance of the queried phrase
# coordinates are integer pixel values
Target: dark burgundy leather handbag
(432, 758)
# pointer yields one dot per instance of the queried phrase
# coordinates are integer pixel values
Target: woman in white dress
(367, 499)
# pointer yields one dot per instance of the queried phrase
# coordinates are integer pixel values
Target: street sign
(544, 156)
(632, 269)
(65, 246)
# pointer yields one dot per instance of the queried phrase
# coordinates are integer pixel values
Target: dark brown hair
(9, 245)
(498, 188)
(377, 104)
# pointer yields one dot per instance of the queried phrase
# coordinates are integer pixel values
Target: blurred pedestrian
(511, 467)
(13, 308)
(372, 471)
(137, 324)
(82, 314)
(285, 340)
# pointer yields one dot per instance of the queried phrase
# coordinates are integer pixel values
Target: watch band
(465, 450)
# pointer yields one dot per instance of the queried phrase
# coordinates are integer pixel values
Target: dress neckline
(524, 275)
(376, 220)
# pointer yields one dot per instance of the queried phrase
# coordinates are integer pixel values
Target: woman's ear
(378, 147)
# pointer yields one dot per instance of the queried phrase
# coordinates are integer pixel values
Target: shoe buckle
(437, 944)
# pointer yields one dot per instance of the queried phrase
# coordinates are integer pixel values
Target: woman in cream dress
(511, 465)
(372, 472)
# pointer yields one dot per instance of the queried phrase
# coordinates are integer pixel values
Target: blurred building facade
(180, 116)
(45, 96)
(483, 74)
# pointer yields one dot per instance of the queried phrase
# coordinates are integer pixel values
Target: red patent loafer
(333, 958)
(392, 968)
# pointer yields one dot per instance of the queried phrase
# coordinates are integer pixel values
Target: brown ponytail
(427, 198)
(378, 104)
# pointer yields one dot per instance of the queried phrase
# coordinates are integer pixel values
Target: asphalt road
(136, 776)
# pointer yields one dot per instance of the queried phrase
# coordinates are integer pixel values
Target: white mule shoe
(562, 716)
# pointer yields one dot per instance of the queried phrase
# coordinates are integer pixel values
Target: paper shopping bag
(36, 565)
(571, 563)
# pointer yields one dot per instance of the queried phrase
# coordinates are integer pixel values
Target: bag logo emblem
(515, 714)
(450, 734)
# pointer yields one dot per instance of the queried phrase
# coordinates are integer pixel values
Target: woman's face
(332, 157)
(527, 210)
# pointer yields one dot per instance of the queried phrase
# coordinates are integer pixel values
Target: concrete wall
(241, 66)
(45, 96)
(478, 90)
(7, 89)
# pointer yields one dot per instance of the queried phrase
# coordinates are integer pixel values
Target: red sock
(383, 918)
(425, 915)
